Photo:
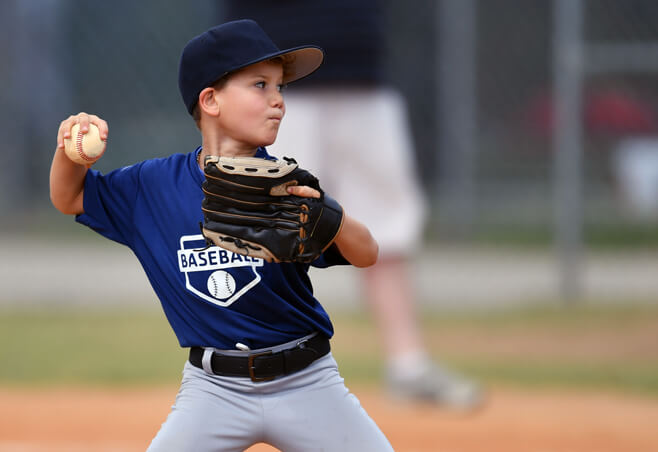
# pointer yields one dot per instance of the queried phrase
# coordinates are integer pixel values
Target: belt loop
(286, 367)
(206, 360)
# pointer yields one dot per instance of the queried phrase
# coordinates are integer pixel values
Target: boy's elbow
(55, 201)
(61, 207)
(374, 255)
(67, 207)
(369, 258)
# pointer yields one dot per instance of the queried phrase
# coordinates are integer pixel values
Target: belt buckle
(251, 367)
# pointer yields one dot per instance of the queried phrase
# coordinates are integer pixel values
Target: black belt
(265, 365)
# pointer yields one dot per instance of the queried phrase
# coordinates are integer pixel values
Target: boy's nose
(277, 99)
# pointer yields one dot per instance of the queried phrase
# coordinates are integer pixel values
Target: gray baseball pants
(311, 410)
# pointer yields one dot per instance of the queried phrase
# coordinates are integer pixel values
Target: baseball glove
(247, 210)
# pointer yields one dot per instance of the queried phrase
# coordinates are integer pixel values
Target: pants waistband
(262, 364)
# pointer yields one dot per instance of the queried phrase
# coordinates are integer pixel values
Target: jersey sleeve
(330, 258)
(109, 202)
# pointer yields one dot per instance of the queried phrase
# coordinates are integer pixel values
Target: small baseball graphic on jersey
(214, 274)
(221, 284)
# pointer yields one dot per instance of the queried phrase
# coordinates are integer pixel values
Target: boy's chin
(264, 140)
(268, 142)
(259, 143)
(263, 144)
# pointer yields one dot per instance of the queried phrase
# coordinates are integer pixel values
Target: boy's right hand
(67, 178)
(84, 120)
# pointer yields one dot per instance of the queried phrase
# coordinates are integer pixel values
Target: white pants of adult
(310, 410)
(357, 142)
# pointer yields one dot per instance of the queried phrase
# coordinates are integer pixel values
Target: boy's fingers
(86, 119)
(64, 130)
(60, 136)
(103, 128)
(303, 190)
(83, 120)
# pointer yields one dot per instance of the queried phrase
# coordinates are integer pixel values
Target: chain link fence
(119, 59)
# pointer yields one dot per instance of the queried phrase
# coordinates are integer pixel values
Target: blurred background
(487, 85)
(536, 135)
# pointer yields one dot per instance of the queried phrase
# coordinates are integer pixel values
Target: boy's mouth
(276, 115)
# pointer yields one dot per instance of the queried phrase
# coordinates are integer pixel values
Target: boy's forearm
(67, 184)
(356, 244)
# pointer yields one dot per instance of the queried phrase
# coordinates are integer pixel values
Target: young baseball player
(260, 366)
(364, 135)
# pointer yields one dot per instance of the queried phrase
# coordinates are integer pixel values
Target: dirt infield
(104, 420)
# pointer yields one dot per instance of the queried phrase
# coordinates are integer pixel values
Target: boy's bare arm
(354, 240)
(66, 177)
(356, 244)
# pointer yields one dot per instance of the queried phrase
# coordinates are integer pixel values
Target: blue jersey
(211, 296)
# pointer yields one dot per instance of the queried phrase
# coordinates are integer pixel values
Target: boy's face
(251, 105)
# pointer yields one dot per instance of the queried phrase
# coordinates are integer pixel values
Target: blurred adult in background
(349, 128)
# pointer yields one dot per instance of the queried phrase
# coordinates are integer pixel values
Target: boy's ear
(208, 102)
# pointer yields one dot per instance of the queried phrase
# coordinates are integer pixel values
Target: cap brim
(305, 60)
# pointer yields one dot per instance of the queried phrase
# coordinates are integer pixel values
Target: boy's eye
(260, 85)
(281, 88)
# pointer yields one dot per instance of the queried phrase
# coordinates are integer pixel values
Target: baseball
(221, 284)
(84, 148)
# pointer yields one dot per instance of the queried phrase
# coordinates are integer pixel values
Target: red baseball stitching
(78, 147)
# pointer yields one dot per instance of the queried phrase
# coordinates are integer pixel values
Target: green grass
(611, 347)
(637, 378)
(581, 347)
(93, 347)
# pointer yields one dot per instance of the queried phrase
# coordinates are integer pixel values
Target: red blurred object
(605, 112)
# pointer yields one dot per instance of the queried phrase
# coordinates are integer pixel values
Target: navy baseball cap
(231, 46)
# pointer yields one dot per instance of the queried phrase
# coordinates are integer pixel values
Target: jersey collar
(262, 153)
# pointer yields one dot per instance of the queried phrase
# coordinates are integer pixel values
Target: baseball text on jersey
(215, 274)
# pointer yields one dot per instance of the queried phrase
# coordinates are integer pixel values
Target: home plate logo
(215, 274)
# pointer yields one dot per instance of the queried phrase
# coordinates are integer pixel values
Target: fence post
(457, 122)
(567, 144)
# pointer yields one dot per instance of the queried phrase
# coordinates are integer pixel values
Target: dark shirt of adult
(350, 31)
